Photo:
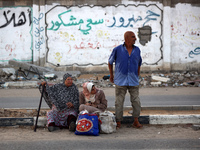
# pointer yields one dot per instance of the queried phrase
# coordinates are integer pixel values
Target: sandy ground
(33, 112)
(148, 131)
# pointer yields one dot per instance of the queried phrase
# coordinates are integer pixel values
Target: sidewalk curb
(174, 107)
(150, 119)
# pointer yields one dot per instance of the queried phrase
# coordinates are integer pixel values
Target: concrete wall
(80, 35)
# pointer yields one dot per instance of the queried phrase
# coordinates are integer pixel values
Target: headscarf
(65, 76)
(60, 94)
(87, 88)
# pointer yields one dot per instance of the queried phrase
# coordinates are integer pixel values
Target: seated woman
(65, 104)
(92, 99)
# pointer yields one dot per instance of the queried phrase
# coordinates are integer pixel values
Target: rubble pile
(9, 79)
(174, 79)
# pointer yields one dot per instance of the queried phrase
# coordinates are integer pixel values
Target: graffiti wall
(16, 34)
(185, 37)
(87, 35)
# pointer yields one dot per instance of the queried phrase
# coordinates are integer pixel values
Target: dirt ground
(100, 76)
(33, 112)
(148, 131)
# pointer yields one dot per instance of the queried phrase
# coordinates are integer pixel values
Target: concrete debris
(58, 75)
(161, 79)
(156, 83)
(26, 71)
(13, 77)
(174, 79)
(27, 66)
(7, 71)
(50, 76)
(25, 84)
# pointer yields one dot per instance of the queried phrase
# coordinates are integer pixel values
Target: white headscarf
(87, 88)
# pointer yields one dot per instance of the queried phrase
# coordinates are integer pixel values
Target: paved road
(160, 137)
(104, 144)
(158, 100)
(149, 137)
(29, 98)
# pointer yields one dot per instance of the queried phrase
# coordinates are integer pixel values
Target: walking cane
(39, 107)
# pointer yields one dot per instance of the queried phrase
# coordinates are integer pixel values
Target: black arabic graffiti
(21, 19)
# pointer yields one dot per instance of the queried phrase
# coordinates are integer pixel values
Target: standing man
(127, 60)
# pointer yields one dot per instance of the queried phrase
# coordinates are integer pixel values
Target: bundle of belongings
(95, 123)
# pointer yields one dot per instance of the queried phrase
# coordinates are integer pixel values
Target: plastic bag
(108, 124)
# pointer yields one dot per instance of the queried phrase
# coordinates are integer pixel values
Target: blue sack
(87, 124)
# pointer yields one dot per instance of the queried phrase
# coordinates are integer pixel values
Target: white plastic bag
(108, 124)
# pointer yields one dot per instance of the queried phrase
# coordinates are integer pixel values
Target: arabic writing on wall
(72, 22)
(196, 51)
(18, 19)
(15, 28)
(38, 31)
(98, 32)
(121, 22)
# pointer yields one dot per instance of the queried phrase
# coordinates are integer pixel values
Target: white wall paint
(185, 36)
(166, 38)
(78, 41)
(15, 34)
(39, 40)
(178, 29)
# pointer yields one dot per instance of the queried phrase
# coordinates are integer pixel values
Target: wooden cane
(39, 107)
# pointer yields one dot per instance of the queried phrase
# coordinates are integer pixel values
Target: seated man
(65, 104)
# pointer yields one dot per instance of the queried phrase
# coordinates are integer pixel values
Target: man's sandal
(118, 125)
(137, 125)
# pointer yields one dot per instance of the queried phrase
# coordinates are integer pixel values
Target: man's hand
(112, 78)
(69, 105)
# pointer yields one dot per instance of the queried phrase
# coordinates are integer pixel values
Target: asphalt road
(149, 137)
(145, 144)
(158, 100)
(185, 96)
(155, 137)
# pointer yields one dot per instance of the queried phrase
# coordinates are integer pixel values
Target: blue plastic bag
(87, 124)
